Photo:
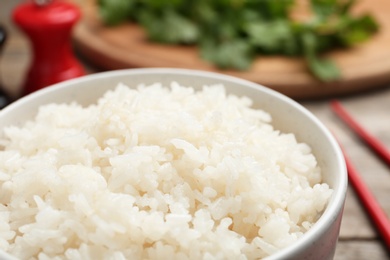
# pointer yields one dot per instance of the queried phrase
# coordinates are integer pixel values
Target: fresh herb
(231, 33)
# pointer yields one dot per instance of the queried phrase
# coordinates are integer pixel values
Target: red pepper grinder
(48, 24)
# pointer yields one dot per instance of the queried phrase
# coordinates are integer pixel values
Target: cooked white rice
(155, 173)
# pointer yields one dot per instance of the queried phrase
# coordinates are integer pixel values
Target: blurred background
(16, 53)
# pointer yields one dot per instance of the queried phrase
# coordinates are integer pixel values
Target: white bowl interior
(288, 116)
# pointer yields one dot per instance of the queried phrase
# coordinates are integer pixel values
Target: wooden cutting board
(363, 68)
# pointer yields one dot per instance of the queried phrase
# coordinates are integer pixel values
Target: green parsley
(232, 33)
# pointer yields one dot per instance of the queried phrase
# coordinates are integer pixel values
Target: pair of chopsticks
(378, 216)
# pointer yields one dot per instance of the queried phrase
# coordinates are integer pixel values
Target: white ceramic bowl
(320, 241)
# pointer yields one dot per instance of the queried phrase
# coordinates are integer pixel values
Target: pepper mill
(48, 24)
(4, 97)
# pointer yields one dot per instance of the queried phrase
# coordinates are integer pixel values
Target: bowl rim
(336, 205)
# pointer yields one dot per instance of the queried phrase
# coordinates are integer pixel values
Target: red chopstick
(372, 142)
(378, 216)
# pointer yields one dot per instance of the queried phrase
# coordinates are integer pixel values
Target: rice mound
(155, 172)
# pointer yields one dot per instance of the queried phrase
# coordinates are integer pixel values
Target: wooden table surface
(358, 238)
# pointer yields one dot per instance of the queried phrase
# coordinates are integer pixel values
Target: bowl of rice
(167, 164)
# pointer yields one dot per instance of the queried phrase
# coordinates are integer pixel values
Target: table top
(358, 238)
